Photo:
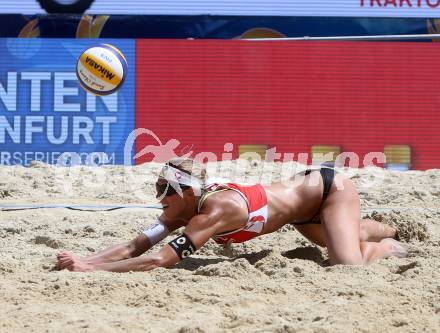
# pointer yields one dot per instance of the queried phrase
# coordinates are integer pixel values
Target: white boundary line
(14, 207)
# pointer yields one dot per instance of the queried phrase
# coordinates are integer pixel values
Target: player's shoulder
(222, 203)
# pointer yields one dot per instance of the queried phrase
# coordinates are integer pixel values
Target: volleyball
(101, 69)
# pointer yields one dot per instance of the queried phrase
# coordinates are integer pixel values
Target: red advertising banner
(292, 95)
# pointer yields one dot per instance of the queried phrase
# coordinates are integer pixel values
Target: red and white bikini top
(256, 200)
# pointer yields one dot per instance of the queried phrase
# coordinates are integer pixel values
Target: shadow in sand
(191, 264)
(254, 257)
(306, 253)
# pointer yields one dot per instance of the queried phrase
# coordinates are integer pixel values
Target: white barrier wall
(347, 8)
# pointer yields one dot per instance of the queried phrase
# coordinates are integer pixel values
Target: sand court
(274, 283)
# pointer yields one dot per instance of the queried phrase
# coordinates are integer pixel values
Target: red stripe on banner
(292, 95)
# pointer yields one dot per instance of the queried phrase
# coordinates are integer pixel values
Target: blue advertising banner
(46, 116)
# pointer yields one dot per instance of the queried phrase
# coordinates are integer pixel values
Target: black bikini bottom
(327, 175)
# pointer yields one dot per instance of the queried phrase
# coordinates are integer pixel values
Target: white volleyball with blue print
(101, 69)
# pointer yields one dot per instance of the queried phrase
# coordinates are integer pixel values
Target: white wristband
(156, 232)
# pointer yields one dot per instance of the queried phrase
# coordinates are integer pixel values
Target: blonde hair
(189, 166)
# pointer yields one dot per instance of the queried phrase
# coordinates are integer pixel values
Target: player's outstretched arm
(139, 245)
(196, 234)
(131, 249)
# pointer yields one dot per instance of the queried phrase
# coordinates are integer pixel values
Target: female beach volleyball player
(323, 206)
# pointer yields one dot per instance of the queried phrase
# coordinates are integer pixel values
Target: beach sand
(275, 283)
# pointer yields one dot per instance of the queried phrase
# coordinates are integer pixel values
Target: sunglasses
(167, 190)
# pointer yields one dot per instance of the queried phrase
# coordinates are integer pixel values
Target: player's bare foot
(394, 248)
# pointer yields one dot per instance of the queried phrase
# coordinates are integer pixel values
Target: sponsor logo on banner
(426, 4)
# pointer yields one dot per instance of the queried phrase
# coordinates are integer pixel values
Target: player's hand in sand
(80, 266)
(66, 259)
